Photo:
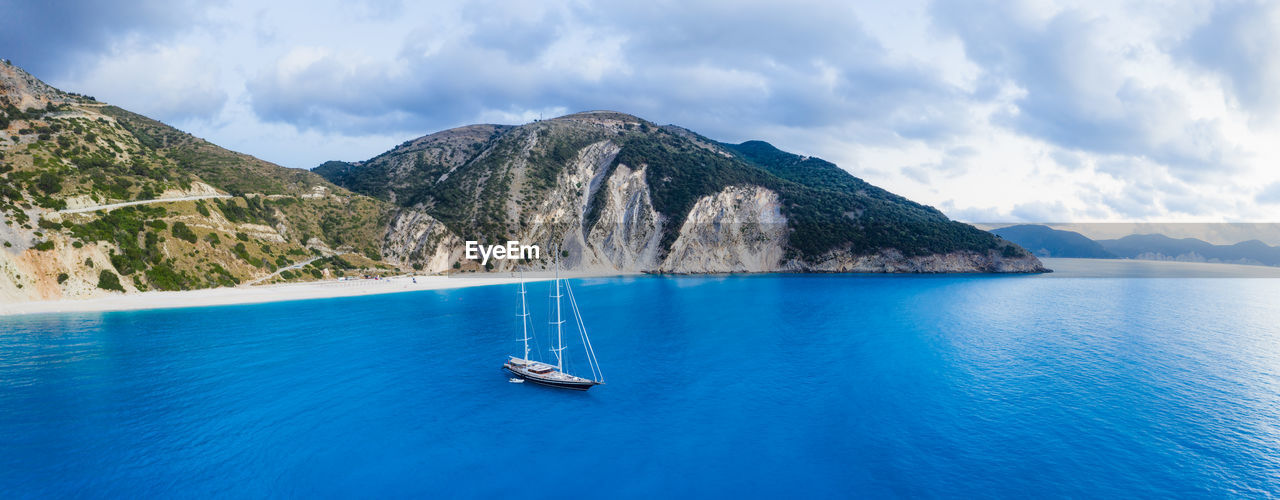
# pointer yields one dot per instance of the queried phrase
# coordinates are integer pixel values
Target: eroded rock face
(740, 229)
(23, 91)
(30, 274)
(413, 237)
(559, 216)
(628, 231)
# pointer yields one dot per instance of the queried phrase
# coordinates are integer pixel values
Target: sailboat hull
(576, 385)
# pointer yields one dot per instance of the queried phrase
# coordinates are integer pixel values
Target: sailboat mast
(524, 317)
(559, 320)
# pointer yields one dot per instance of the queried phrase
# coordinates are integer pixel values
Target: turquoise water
(755, 386)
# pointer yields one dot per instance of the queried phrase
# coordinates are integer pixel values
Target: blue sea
(770, 386)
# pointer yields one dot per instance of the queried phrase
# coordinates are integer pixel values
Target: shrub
(233, 211)
(126, 265)
(164, 277)
(50, 202)
(241, 252)
(44, 246)
(108, 280)
(182, 232)
(48, 183)
(62, 278)
(222, 276)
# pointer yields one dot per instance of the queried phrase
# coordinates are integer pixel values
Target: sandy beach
(271, 293)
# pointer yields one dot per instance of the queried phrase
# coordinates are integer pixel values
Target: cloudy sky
(991, 111)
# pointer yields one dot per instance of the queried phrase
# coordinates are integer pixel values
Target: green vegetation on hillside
(235, 172)
(79, 153)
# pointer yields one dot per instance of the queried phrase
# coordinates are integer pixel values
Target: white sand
(269, 293)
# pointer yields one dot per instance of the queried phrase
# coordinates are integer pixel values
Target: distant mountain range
(1161, 247)
(1045, 241)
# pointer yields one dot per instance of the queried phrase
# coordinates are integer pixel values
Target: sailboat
(547, 374)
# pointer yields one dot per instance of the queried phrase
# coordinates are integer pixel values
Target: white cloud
(1239, 43)
(1270, 194)
(167, 82)
(991, 111)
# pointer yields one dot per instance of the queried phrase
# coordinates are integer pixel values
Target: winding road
(299, 265)
(114, 206)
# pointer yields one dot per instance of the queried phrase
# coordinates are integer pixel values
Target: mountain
(616, 192)
(1045, 241)
(1161, 247)
(194, 215)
